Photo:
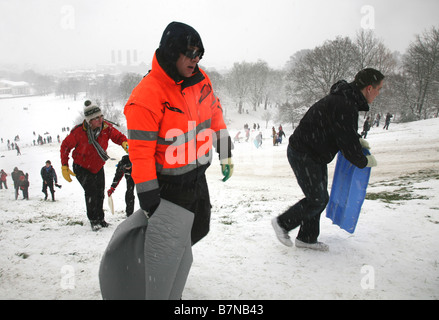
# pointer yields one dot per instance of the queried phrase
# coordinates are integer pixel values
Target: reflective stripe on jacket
(172, 127)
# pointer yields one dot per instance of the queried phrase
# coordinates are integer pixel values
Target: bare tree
(372, 53)
(274, 90)
(257, 78)
(421, 72)
(237, 83)
(315, 72)
(128, 83)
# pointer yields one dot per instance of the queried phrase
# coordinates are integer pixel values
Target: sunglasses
(192, 54)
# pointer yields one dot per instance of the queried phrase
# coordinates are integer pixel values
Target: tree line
(411, 86)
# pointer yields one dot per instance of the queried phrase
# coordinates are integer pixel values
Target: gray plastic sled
(148, 258)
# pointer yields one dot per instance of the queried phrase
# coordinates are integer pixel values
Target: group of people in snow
(367, 125)
(21, 181)
(174, 106)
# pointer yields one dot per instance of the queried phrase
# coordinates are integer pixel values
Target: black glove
(149, 201)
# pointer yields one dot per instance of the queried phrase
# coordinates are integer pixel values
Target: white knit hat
(91, 110)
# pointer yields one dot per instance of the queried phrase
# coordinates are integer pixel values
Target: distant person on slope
(16, 174)
(89, 142)
(124, 169)
(329, 126)
(387, 121)
(49, 176)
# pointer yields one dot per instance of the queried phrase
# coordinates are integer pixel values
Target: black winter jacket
(331, 125)
(48, 174)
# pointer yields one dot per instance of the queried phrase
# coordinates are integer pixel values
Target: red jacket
(84, 153)
(172, 127)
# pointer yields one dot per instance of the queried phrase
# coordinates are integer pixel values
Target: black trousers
(94, 188)
(50, 185)
(195, 198)
(313, 180)
(129, 196)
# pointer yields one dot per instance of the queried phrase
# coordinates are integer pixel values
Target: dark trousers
(25, 191)
(50, 185)
(94, 188)
(312, 178)
(17, 188)
(195, 198)
(129, 196)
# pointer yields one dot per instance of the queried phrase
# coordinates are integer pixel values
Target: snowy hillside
(48, 250)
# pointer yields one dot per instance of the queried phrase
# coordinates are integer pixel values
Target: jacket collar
(168, 73)
(350, 91)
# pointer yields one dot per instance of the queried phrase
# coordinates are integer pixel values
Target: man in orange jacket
(89, 142)
(173, 120)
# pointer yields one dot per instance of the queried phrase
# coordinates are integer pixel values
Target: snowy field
(48, 251)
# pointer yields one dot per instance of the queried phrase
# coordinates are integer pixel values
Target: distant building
(14, 88)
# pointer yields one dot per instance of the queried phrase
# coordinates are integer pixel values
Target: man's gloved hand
(364, 143)
(66, 173)
(125, 146)
(226, 168)
(149, 201)
(371, 161)
(110, 191)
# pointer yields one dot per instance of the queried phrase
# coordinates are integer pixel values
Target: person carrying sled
(49, 176)
(89, 142)
(124, 169)
(173, 119)
(329, 126)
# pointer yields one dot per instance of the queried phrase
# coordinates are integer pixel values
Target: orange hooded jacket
(172, 127)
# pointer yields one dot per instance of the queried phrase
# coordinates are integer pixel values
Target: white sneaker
(281, 233)
(319, 246)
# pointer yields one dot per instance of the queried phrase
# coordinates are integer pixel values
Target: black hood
(350, 91)
(176, 39)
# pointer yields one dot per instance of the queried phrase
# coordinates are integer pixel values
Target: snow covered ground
(48, 251)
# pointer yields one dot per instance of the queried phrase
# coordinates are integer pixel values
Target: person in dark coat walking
(366, 127)
(124, 169)
(49, 176)
(16, 174)
(329, 126)
(387, 121)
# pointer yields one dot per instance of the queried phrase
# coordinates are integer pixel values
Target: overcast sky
(51, 34)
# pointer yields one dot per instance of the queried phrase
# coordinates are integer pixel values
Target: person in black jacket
(366, 127)
(329, 126)
(124, 169)
(16, 174)
(49, 176)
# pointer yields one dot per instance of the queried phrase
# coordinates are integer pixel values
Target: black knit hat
(176, 39)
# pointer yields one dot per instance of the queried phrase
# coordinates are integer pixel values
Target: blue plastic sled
(347, 193)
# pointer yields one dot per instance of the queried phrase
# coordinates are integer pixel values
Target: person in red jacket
(174, 119)
(3, 181)
(89, 142)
